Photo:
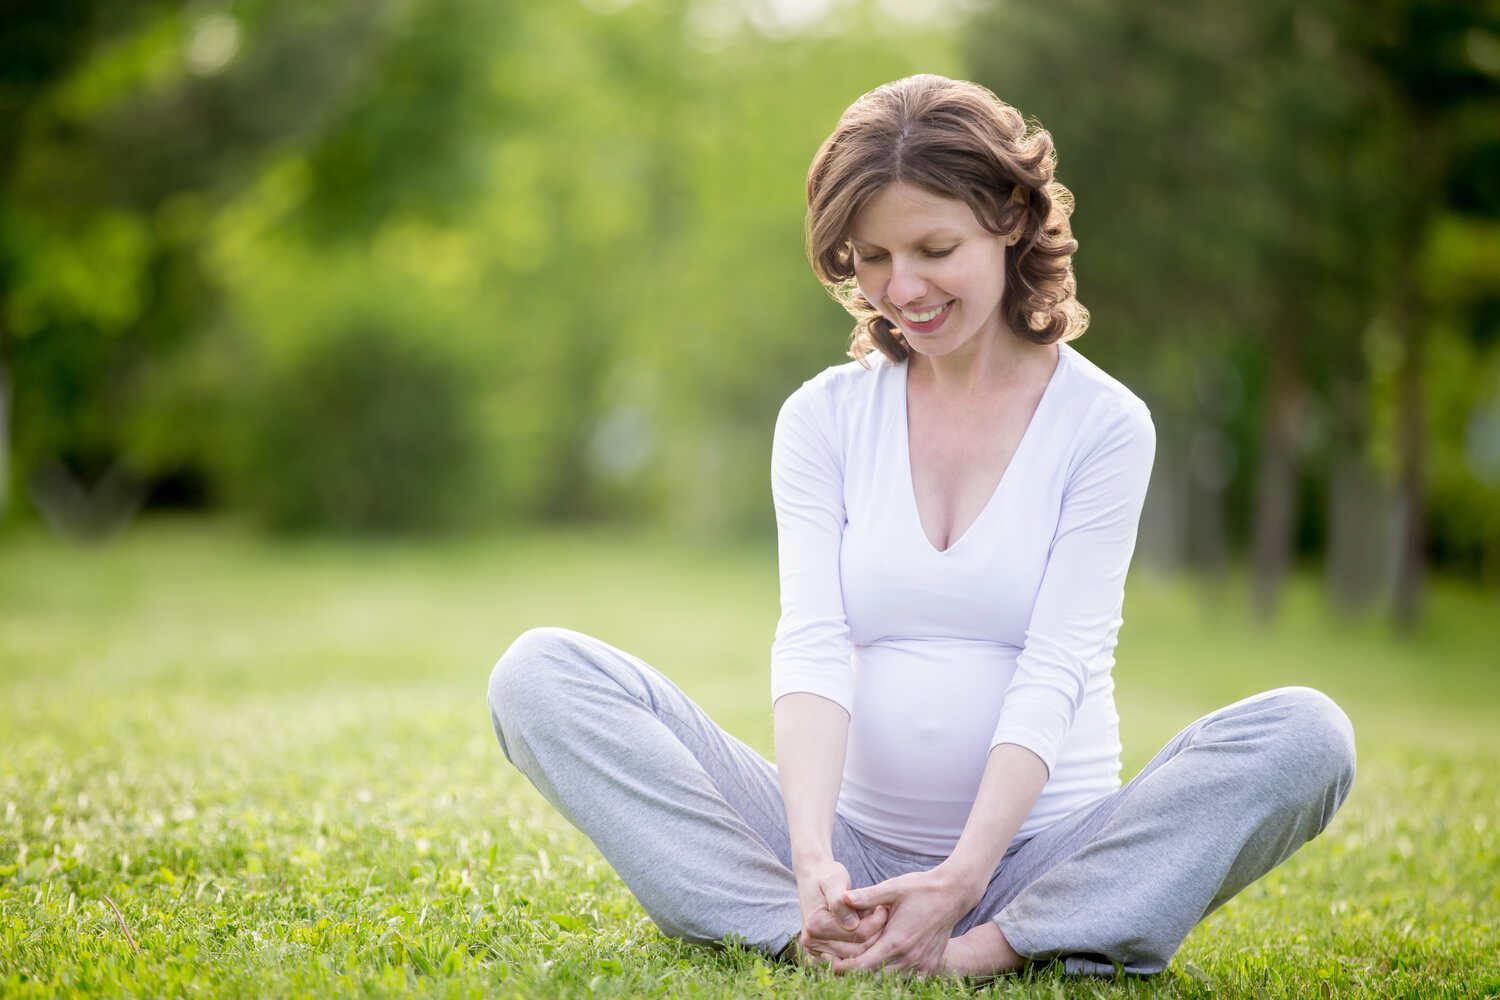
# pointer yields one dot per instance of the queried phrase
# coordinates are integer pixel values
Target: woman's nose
(906, 285)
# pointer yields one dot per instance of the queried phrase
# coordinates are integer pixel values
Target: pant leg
(1229, 798)
(690, 817)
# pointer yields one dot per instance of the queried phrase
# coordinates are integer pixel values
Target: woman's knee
(526, 676)
(1320, 740)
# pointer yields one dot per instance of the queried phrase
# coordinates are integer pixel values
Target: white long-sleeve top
(1007, 636)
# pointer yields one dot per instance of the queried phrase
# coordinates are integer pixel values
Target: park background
(340, 341)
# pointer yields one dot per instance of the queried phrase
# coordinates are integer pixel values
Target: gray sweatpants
(692, 818)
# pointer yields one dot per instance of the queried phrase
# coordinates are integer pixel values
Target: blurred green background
(425, 266)
(517, 288)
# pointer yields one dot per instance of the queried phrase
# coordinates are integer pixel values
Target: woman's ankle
(981, 951)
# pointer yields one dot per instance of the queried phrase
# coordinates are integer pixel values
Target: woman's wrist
(965, 879)
(810, 858)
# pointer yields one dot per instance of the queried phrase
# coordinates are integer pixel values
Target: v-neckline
(911, 484)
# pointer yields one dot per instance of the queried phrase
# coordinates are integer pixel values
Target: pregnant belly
(924, 715)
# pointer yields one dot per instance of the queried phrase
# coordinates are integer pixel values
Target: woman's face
(928, 265)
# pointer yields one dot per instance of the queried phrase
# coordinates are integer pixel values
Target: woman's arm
(812, 678)
(811, 737)
(1077, 613)
(1012, 782)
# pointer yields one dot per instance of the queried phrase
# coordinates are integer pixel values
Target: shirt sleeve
(811, 651)
(1076, 617)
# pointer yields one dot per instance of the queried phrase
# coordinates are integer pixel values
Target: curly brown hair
(958, 140)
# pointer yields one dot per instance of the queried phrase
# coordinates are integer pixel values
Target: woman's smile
(924, 320)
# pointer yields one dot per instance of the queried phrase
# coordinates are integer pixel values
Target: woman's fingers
(921, 912)
(877, 956)
(887, 893)
(834, 891)
(833, 929)
(828, 951)
(916, 928)
(891, 956)
(823, 926)
(823, 936)
(867, 925)
(872, 923)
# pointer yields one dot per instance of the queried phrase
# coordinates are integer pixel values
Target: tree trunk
(1211, 457)
(1411, 491)
(1426, 161)
(1359, 557)
(1163, 541)
(5, 405)
(1276, 494)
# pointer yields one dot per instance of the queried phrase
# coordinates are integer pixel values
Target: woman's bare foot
(982, 951)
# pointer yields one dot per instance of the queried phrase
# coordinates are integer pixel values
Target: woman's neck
(983, 365)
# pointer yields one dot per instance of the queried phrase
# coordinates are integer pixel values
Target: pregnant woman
(956, 510)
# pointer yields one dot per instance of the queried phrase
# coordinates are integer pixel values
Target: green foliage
(365, 432)
(95, 275)
(275, 760)
(594, 211)
(125, 127)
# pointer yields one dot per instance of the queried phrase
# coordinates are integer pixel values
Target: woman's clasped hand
(833, 930)
(902, 924)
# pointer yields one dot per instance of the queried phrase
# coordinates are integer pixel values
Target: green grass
(275, 760)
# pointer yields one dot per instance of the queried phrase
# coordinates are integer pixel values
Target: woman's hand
(924, 907)
(831, 928)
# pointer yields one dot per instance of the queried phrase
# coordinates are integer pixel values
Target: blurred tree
(1205, 223)
(1438, 66)
(575, 227)
(123, 142)
(596, 210)
(1246, 192)
(40, 41)
(356, 434)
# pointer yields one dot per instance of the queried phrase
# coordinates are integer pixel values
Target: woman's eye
(876, 258)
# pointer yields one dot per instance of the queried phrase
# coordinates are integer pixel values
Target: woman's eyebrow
(938, 235)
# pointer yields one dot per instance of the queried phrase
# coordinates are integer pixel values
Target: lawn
(274, 760)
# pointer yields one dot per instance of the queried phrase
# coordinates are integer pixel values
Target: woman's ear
(1020, 197)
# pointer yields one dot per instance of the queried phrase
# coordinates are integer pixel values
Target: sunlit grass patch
(276, 763)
